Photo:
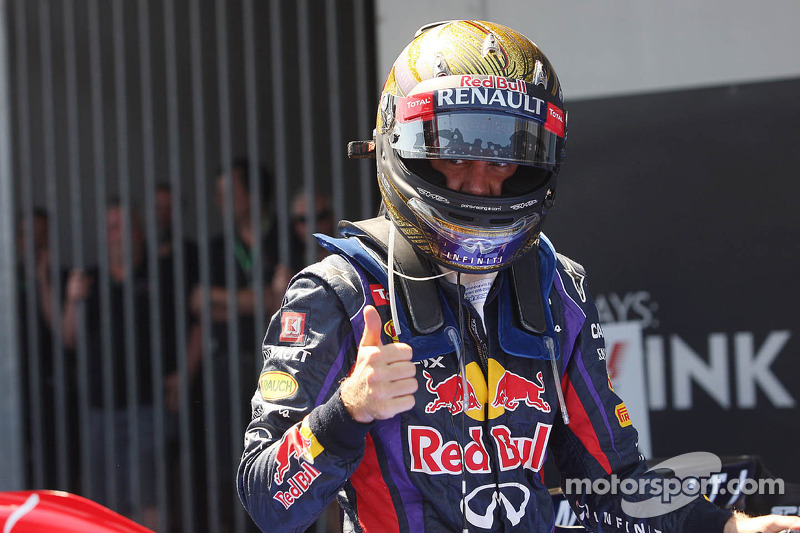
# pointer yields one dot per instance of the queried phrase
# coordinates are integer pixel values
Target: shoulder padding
(569, 264)
(577, 274)
(342, 277)
(422, 297)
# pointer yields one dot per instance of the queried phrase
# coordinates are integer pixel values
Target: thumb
(372, 327)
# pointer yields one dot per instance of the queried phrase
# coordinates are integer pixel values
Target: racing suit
(480, 429)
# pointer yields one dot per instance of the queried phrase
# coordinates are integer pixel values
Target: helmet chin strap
(390, 267)
(392, 272)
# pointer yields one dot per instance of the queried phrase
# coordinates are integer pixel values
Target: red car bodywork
(44, 511)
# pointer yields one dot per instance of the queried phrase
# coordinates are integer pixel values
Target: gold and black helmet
(470, 90)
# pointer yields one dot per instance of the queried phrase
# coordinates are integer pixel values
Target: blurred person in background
(43, 382)
(169, 300)
(274, 277)
(167, 284)
(324, 224)
(83, 288)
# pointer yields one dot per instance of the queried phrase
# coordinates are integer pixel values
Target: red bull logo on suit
(432, 455)
(513, 389)
(505, 390)
(298, 445)
(449, 394)
(429, 451)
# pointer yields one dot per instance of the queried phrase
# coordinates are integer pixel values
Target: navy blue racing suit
(470, 452)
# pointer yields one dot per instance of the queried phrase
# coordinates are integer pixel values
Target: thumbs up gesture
(382, 383)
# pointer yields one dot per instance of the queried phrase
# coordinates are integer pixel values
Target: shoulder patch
(277, 385)
(577, 274)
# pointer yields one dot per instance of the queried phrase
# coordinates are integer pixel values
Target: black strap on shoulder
(422, 297)
(528, 293)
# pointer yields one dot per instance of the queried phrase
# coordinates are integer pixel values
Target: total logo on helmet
(505, 390)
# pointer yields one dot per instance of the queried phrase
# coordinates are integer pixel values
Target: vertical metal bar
(279, 130)
(256, 205)
(234, 352)
(306, 114)
(25, 178)
(153, 275)
(70, 62)
(367, 170)
(11, 471)
(186, 444)
(59, 374)
(129, 307)
(335, 109)
(103, 283)
(205, 278)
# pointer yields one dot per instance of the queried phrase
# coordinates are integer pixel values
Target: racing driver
(421, 373)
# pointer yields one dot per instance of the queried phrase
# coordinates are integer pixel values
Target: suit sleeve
(301, 445)
(600, 442)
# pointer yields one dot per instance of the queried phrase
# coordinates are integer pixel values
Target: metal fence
(161, 155)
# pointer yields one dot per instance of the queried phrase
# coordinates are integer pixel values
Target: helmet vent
(489, 44)
(463, 218)
(440, 66)
(501, 221)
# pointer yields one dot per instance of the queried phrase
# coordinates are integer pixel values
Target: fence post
(11, 467)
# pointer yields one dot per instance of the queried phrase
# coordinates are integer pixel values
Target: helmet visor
(473, 123)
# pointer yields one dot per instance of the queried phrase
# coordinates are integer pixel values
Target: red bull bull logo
(293, 445)
(298, 444)
(512, 389)
(486, 398)
(449, 394)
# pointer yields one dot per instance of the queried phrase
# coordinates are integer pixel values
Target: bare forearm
(69, 325)
(45, 298)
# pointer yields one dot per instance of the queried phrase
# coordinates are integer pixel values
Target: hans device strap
(422, 297)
